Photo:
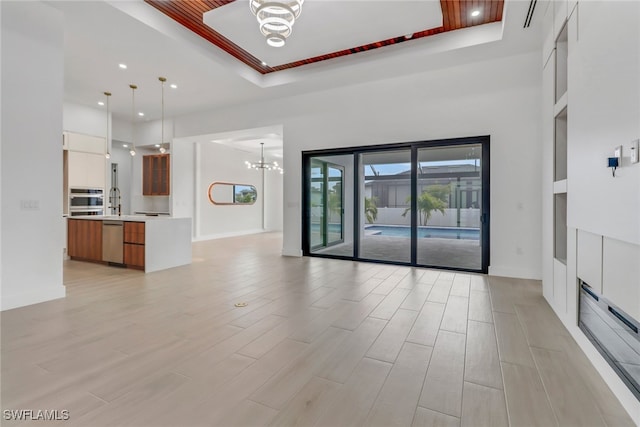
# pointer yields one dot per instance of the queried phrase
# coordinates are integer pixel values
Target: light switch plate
(617, 152)
(635, 151)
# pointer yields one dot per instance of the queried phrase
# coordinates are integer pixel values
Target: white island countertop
(167, 239)
(133, 218)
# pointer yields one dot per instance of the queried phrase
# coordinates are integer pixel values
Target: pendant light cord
(133, 127)
(162, 149)
(108, 154)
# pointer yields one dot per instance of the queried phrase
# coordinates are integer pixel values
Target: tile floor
(321, 342)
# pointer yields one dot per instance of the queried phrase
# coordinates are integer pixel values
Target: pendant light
(133, 118)
(162, 149)
(107, 154)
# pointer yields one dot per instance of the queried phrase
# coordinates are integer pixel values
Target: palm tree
(432, 199)
(370, 209)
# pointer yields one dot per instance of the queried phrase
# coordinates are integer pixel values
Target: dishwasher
(112, 241)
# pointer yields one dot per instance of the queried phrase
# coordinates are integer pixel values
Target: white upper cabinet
(86, 164)
(86, 170)
(84, 143)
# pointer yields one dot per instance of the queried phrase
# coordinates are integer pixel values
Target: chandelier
(276, 18)
(262, 164)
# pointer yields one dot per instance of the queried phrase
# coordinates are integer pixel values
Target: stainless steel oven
(86, 201)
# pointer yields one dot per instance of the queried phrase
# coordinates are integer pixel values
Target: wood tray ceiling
(456, 14)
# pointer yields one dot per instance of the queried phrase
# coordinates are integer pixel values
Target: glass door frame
(483, 141)
(324, 226)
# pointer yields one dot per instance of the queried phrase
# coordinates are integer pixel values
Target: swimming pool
(424, 232)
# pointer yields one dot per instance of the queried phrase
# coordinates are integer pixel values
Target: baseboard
(518, 273)
(225, 235)
(7, 302)
(292, 252)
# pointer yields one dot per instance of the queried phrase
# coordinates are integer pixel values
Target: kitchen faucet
(114, 196)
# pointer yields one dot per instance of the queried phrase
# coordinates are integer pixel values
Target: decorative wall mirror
(226, 193)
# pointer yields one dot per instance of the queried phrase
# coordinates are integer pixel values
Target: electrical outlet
(635, 151)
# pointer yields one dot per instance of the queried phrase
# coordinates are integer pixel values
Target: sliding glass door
(326, 206)
(385, 226)
(449, 196)
(421, 204)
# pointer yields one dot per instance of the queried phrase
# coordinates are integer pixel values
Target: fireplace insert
(614, 334)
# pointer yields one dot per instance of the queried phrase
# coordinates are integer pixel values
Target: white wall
(498, 97)
(468, 217)
(274, 198)
(219, 163)
(183, 169)
(604, 112)
(121, 130)
(86, 120)
(32, 239)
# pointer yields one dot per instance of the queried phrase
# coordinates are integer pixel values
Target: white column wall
(32, 99)
(603, 212)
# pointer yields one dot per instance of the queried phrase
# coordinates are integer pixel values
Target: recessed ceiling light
(174, 86)
(123, 66)
(157, 145)
(408, 36)
(100, 103)
(264, 63)
(125, 145)
(141, 114)
(475, 13)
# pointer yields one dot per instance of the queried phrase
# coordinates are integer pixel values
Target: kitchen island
(149, 243)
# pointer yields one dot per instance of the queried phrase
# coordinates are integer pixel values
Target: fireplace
(614, 334)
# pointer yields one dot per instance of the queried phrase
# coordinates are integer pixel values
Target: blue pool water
(439, 232)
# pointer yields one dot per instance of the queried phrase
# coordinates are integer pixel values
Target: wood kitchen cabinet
(156, 175)
(134, 244)
(148, 243)
(84, 239)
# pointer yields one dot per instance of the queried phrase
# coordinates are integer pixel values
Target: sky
(395, 168)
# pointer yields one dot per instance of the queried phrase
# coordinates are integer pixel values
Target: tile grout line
(495, 333)
(537, 367)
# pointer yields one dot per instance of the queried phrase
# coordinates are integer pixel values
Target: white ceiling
(326, 26)
(101, 34)
(248, 140)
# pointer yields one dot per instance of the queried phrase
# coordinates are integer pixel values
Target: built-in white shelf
(560, 227)
(562, 53)
(560, 146)
(560, 187)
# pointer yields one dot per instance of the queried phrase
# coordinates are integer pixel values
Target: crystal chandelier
(276, 18)
(262, 164)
